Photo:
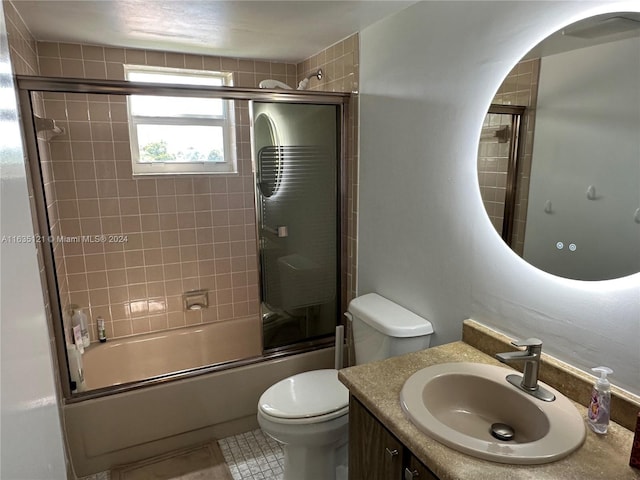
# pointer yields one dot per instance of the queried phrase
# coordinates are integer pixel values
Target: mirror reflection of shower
(296, 166)
(303, 85)
(499, 174)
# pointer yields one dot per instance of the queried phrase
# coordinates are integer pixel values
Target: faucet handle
(529, 342)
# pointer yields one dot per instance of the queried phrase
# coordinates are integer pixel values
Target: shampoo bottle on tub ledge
(102, 335)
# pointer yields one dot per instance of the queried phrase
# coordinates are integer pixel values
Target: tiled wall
(520, 87)
(24, 60)
(182, 233)
(92, 61)
(24, 56)
(340, 64)
(493, 158)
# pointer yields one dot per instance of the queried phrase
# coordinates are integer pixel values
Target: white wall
(428, 75)
(587, 124)
(30, 436)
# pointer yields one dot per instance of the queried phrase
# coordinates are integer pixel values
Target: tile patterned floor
(253, 456)
(250, 456)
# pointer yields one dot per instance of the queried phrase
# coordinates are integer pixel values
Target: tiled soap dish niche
(195, 300)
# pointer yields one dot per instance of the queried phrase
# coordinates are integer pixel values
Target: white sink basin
(459, 404)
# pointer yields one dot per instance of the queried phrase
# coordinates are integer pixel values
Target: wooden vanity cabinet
(375, 453)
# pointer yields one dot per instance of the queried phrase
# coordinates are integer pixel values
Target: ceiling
(288, 31)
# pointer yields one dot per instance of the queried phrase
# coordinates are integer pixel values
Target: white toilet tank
(383, 329)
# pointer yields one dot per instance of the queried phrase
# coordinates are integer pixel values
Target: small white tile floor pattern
(253, 456)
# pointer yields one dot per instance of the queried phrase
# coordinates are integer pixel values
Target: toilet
(309, 412)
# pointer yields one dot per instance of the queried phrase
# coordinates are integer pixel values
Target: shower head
(270, 83)
(305, 81)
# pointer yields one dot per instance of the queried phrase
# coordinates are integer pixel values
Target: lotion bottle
(599, 408)
(102, 335)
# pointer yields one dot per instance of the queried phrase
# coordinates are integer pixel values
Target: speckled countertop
(377, 385)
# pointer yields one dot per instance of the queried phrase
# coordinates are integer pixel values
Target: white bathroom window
(180, 135)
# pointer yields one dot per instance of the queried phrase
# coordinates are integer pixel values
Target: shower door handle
(281, 232)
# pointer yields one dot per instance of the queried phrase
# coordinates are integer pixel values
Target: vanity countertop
(377, 385)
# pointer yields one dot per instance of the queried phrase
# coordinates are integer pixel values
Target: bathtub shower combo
(256, 239)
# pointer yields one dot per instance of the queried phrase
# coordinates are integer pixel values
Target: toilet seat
(309, 397)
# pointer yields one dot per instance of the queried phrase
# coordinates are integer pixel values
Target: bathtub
(134, 424)
(139, 357)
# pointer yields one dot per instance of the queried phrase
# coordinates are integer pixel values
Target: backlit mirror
(559, 153)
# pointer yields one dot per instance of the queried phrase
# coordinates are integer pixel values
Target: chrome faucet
(531, 358)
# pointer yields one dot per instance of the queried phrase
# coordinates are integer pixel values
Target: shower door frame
(341, 225)
(27, 84)
(516, 141)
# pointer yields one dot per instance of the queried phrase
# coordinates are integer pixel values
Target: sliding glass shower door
(296, 157)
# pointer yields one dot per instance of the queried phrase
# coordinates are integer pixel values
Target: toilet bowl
(308, 412)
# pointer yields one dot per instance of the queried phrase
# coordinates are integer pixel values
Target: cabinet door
(374, 453)
(417, 470)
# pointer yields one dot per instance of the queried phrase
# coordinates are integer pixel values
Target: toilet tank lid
(388, 317)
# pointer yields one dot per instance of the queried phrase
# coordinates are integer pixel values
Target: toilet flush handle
(339, 355)
(349, 334)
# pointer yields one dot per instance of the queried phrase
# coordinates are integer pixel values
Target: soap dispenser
(600, 406)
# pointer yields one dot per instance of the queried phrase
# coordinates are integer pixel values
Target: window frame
(226, 121)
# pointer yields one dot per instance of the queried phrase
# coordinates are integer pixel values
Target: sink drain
(502, 431)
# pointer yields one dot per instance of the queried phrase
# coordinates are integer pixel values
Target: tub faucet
(527, 382)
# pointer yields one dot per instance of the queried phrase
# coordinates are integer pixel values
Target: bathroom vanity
(384, 444)
(375, 453)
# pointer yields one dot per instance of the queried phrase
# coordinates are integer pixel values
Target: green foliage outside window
(157, 152)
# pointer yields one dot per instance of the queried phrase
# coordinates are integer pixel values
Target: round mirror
(559, 153)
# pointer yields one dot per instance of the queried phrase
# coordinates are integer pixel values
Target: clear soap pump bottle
(600, 406)
(80, 319)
